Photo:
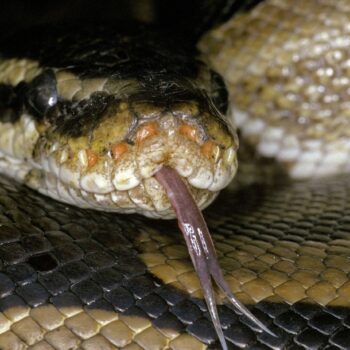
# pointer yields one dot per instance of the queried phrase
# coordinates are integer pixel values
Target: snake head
(107, 114)
(102, 148)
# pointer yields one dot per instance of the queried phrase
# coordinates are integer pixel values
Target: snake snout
(114, 166)
(200, 147)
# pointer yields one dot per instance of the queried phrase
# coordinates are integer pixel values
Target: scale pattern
(286, 65)
(74, 278)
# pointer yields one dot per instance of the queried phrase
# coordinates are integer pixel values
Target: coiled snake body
(101, 127)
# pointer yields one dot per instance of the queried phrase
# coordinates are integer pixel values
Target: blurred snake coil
(103, 120)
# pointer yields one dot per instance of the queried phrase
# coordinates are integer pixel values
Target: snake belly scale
(93, 126)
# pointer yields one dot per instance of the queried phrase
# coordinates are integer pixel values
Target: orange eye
(189, 131)
(145, 131)
(91, 158)
(118, 149)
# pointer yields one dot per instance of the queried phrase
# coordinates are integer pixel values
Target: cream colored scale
(17, 140)
(286, 64)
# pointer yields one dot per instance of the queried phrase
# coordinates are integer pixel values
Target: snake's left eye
(42, 93)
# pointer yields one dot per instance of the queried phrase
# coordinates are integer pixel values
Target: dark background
(185, 18)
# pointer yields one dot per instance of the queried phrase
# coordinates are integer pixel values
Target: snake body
(93, 127)
(286, 66)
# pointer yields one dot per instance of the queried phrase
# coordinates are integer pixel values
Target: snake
(124, 121)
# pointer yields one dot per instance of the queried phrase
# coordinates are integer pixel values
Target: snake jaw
(201, 249)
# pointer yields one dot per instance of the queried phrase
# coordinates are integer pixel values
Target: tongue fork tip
(201, 249)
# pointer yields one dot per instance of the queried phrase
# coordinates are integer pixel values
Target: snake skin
(80, 279)
(285, 64)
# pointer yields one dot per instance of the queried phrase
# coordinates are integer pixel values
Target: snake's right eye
(42, 93)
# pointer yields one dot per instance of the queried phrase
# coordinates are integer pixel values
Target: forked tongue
(201, 248)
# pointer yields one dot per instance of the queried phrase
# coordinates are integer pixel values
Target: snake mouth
(119, 175)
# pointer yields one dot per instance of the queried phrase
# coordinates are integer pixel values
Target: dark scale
(77, 118)
(121, 51)
(11, 102)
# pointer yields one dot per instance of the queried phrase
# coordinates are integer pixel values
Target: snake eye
(42, 93)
